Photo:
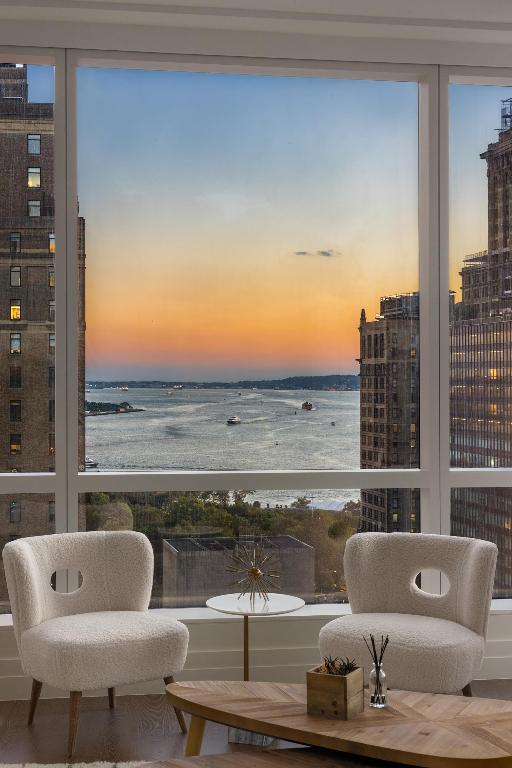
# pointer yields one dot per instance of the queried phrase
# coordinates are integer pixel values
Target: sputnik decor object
(249, 569)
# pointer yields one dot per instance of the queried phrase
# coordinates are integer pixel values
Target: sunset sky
(237, 224)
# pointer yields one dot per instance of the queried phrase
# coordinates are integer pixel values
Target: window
(51, 512)
(15, 444)
(15, 242)
(34, 144)
(51, 243)
(51, 277)
(51, 377)
(14, 512)
(51, 410)
(15, 277)
(51, 443)
(51, 342)
(51, 311)
(15, 410)
(34, 208)
(15, 343)
(34, 178)
(15, 309)
(15, 376)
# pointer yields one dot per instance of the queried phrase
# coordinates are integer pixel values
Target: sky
(236, 224)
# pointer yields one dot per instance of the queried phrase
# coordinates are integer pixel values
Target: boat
(90, 463)
(123, 389)
(234, 420)
(307, 406)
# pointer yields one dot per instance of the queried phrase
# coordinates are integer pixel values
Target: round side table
(244, 606)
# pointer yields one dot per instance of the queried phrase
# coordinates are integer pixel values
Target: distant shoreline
(330, 383)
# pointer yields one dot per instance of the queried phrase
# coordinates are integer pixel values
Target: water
(187, 430)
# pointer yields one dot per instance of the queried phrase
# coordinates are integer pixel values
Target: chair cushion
(105, 649)
(424, 653)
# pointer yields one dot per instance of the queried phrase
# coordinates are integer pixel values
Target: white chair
(102, 634)
(436, 642)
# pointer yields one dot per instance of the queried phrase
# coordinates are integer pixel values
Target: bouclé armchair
(436, 642)
(101, 635)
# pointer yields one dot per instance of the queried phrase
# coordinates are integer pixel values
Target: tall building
(389, 409)
(481, 366)
(27, 304)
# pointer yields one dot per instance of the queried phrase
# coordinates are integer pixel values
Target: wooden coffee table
(422, 729)
(275, 758)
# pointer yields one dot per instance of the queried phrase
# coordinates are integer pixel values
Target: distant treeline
(343, 382)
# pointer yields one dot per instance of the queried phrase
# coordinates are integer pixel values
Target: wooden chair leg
(466, 691)
(112, 698)
(34, 698)
(74, 713)
(179, 714)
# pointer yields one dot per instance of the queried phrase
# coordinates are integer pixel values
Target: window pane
(481, 276)
(23, 514)
(486, 513)
(228, 264)
(26, 218)
(193, 535)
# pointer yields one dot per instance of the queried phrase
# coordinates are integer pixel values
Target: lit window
(51, 342)
(34, 208)
(15, 444)
(51, 242)
(15, 410)
(413, 427)
(15, 277)
(15, 512)
(34, 178)
(15, 343)
(493, 409)
(51, 511)
(16, 310)
(493, 373)
(34, 143)
(51, 277)
(15, 376)
(15, 242)
(51, 311)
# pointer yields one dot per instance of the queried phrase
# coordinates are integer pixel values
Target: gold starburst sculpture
(248, 566)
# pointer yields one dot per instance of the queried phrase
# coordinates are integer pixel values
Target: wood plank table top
(274, 758)
(422, 729)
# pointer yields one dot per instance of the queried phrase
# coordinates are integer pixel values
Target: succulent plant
(338, 666)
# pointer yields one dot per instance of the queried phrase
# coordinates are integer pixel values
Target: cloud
(326, 253)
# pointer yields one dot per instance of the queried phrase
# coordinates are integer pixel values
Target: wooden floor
(140, 728)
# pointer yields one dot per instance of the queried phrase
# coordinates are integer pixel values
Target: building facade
(389, 409)
(27, 304)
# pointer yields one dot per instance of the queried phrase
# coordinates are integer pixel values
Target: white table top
(244, 606)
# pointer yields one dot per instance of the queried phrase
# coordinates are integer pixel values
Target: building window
(15, 376)
(51, 444)
(51, 342)
(51, 277)
(14, 512)
(15, 242)
(51, 410)
(15, 444)
(51, 311)
(15, 277)
(15, 410)
(34, 178)
(15, 309)
(51, 243)
(51, 376)
(34, 208)
(51, 512)
(34, 143)
(15, 342)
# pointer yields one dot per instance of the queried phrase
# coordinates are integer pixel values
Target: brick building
(27, 304)
(389, 409)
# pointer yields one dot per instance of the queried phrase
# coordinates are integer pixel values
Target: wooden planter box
(335, 695)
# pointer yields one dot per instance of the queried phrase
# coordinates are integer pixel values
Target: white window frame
(434, 478)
